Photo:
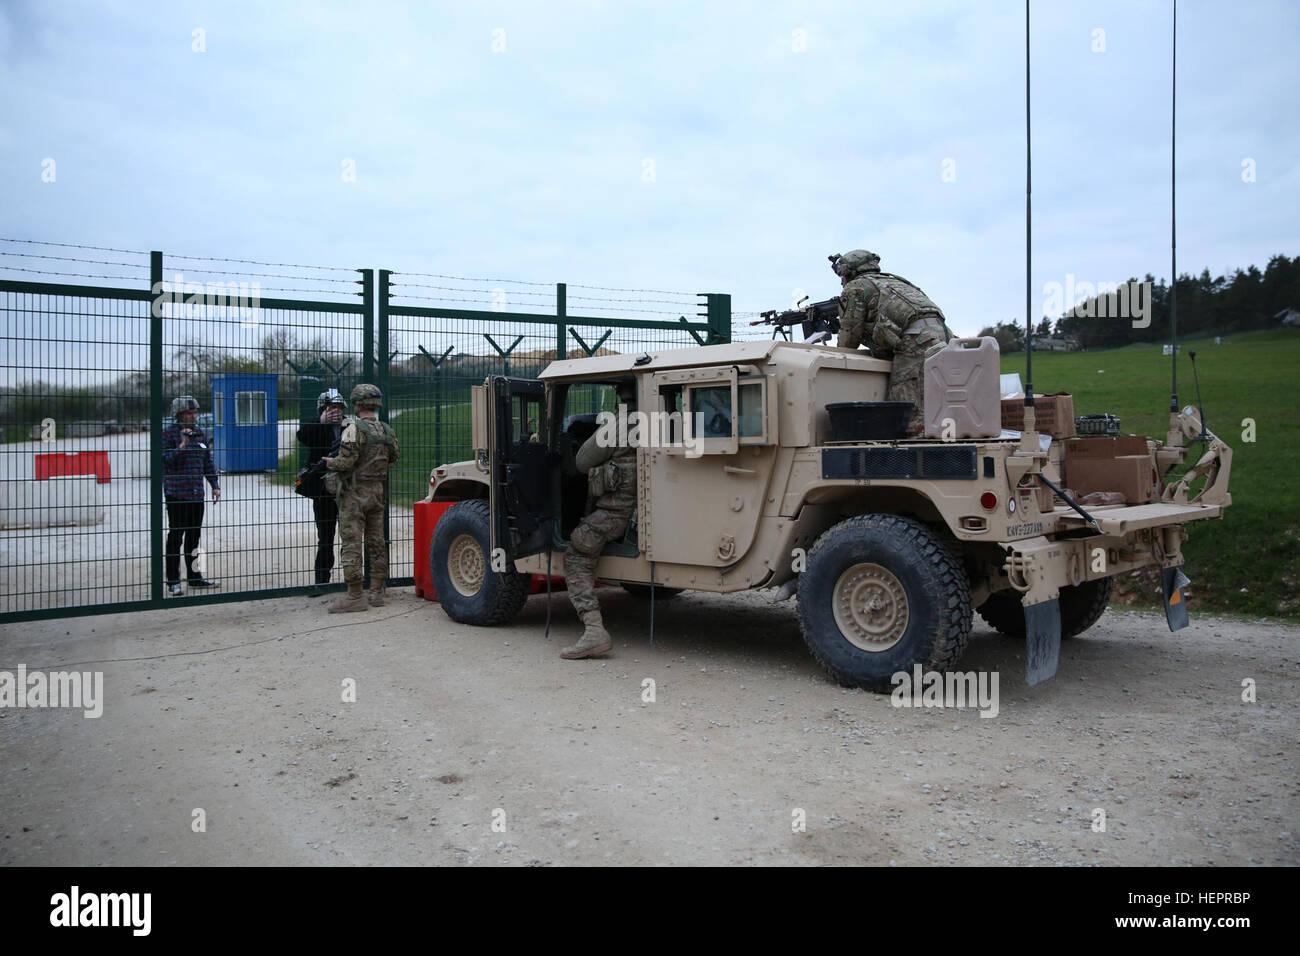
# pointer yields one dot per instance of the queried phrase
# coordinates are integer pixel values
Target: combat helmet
(366, 395)
(331, 396)
(849, 264)
(184, 403)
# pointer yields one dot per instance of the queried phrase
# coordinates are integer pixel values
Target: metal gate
(88, 372)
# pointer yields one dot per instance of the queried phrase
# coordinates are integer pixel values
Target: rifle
(821, 316)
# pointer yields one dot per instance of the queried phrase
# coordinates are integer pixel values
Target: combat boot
(377, 595)
(322, 579)
(595, 639)
(354, 600)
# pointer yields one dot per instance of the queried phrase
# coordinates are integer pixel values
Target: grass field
(1248, 563)
(427, 437)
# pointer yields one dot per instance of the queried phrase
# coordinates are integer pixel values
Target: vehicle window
(670, 400)
(713, 402)
(751, 409)
(526, 418)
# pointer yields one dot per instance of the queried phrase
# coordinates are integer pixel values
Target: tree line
(1242, 301)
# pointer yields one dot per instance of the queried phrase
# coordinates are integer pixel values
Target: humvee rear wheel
(1081, 606)
(467, 587)
(879, 594)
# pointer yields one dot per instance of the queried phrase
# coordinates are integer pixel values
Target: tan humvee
(889, 545)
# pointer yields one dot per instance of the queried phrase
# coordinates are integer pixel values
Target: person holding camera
(321, 439)
(187, 461)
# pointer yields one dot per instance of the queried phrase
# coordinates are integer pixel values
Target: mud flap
(1173, 581)
(1042, 640)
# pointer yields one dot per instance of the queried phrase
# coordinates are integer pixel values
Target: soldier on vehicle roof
(895, 319)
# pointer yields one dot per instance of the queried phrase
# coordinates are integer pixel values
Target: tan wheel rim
(465, 565)
(870, 607)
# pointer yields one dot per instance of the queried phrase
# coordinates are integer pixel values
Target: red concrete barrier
(427, 514)
(59, 464)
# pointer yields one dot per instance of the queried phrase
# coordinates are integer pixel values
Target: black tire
(924, 581)
(1081, 606)
(458, 559)
(643, 591)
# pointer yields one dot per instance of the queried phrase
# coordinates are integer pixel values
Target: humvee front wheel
(467, 587)
(1081, 606)
(879, 594)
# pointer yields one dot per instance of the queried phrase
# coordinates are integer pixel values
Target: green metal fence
(87, 374)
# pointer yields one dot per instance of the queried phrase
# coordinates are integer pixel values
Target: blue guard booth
(245, 422)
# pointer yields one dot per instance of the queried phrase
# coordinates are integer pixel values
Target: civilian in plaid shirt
(187, 460)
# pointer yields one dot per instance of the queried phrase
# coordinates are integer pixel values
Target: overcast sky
(696, 146)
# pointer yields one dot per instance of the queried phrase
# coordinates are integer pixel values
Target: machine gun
(821, 316)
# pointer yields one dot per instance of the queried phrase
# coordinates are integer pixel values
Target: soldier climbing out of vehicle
(611, 496)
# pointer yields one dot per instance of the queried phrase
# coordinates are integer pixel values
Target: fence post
(382, 340)
(384, 410)
(368, 324)
(561, 320)
(718, 310)
(155, 428)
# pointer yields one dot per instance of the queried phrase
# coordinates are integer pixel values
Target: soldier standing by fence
(367, 449)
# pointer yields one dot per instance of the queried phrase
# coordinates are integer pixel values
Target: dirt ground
(471, 746)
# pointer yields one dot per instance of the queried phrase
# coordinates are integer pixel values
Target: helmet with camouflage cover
(331, 396)
(366, 395)
(851, 263)
(184, 403)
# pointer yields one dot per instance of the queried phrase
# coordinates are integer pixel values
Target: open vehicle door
(520, 486)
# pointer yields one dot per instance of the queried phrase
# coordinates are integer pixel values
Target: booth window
(218, 408)
(250, 408)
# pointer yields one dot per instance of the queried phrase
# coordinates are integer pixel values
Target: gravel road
(470, 746)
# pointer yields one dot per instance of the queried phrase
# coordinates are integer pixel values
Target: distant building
(1057, 343)
(1289, 317)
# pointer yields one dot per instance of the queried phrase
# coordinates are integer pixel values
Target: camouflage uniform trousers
(361, 515)
(906, 378)
(585, 544)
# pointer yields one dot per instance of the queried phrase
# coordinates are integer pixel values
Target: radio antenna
(1173, 216)
(1029, 252)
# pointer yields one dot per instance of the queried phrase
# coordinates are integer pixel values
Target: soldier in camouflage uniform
(896, 319)
(367, 449)
(611, 489)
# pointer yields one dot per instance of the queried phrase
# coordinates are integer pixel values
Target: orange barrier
(427, 515)
(59, 464)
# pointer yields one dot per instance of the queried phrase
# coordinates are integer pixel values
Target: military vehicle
(889, 545)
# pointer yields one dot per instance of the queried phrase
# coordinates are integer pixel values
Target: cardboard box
(1053, 414)
(1133, 476)
(1105, 447)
